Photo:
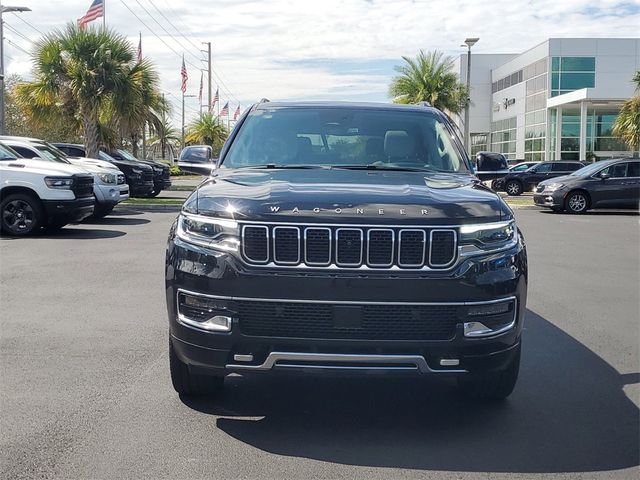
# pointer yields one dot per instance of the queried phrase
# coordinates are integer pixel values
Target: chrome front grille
(349, 247)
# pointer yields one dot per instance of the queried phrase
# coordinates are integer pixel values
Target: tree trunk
(91, 133)
(163, 147)
(134, 145)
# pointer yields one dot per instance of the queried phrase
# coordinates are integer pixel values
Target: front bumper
(161, 183)
(141, 188)
(476, 280)
(69, 211)
(107, 194)
(549, 199)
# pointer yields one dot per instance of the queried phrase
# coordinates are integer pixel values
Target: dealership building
(557, 100)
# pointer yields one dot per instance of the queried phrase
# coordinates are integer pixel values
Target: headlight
(158, 169)
(136, 171)
(552, 187)
(487, 237)
(59, 182)
(217, 233)
(107, 177)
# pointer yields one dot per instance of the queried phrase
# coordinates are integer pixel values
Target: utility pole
(208, 44)
(4, 9)
(469, 42)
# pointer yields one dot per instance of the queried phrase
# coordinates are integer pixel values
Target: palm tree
(627, 124)
(207, 129)
(165, 139)
(89, 75)
(429, 78)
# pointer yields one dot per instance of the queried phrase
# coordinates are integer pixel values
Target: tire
(21, 214)
(188, 384)
(576, 202)
(154, 193)
(492, 386)
(101, 211)
(513, 188)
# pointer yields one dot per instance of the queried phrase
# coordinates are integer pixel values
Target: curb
(151, 207)
(524, 207)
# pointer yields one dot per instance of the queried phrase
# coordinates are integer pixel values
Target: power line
(177, 19)
(174, 27)
(186, 49)
(19, 34)
(17, 46)
(27, 23)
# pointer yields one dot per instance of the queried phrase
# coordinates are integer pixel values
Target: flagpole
(104, 14)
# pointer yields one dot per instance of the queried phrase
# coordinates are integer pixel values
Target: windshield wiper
(274, 166)
(388, 167)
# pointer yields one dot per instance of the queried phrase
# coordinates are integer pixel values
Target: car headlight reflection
(107, 177)
(552, 187)
(217, 233)
(488, 237)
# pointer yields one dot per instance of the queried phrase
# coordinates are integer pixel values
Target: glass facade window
(535, 119)
(506, 82)
(479, 143)
(572, 73)
(503, 137)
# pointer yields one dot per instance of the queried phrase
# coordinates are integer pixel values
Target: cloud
(334, 49)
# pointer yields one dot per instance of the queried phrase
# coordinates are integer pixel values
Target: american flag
(215, 100)
(185, 76)
(96, 10)
(236, 114)
(201, 87)
(140, 48)
(225, 110)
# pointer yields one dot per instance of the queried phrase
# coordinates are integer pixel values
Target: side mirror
(491, 166)
(604, 176)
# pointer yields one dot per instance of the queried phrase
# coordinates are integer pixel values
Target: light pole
(183, 97)
(469, 42)
(4, 9)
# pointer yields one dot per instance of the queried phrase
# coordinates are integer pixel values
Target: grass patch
(186, 177)
(154, 201)
(519, 201)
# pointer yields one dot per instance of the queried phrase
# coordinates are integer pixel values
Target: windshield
(345, 137)
(589, 169)
(7, 154)
(196, 154)
(127, 156)
(106, 157)
(51, 153)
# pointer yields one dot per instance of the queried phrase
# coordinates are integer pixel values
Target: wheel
(576, 202)
(492, 386)
(22, 214)
(101, 211)
(154, 193)
(186, 383)
(513, 188)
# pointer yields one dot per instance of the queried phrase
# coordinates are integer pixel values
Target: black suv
(605, 184)
(161, 171)
(139, 177)
(517, 182)
(345, 237)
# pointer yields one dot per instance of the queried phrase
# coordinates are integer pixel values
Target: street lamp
(4, 9)
(469, 42)
(183, 97)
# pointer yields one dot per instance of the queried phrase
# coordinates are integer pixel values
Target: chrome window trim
(357, 264)
(424, 247)
(244, 253)
(393, 240)
(317, 264)
(275, 253)
(455, 247)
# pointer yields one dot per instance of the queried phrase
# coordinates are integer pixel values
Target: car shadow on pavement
(115, 221)
(607, 213)
(68, 233)
(567, 414)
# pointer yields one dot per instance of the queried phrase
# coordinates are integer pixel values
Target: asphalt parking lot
(85, 389)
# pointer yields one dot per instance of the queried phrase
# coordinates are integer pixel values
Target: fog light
(490, 318)
(204, 313)
(476, 329)
(114, 193)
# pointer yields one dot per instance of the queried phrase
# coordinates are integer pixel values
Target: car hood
(347, 196)
(45, 167)
(562, 179)
(93, 165)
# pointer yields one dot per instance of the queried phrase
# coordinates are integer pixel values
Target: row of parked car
(574, 186)
(45, 185)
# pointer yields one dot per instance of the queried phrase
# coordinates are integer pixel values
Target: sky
(310, 49)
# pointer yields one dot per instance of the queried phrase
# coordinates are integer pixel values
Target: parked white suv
(109, 184)
(39, 193)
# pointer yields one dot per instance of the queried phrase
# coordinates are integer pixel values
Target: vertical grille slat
(375, 247)
(442, 251)
(349, 247)
(380, 247)
(411, 248)
(317, 246)
(286, 245)
(255, 243)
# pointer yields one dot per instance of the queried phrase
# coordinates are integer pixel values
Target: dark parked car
(498, 184)
(517, 182)
(345, 238)
(605, 184)
(197, 159)
(161, 171)
(138, 176)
